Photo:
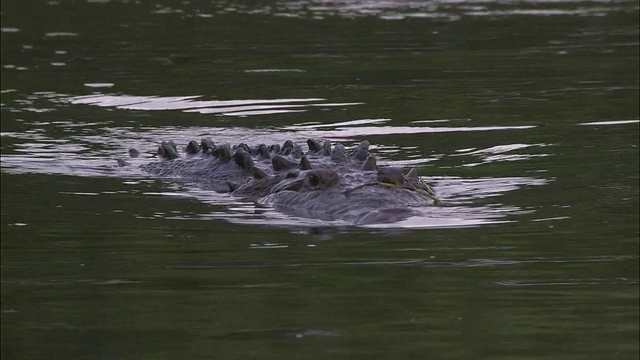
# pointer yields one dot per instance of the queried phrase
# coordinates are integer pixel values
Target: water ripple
(448, 10)
(607, 123)
(396, 130)
(190, 104)
(430, 262)
(91, 151)
(566, 282)
(63, 282)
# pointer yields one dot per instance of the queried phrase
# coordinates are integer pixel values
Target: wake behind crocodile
(315, 184)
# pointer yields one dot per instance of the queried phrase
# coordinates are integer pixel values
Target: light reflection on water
(451, 10)
(190, 104)
(91, 150)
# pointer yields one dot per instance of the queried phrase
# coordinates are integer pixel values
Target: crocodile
(325, 182)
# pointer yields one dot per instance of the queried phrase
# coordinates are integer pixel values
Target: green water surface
(524, 114)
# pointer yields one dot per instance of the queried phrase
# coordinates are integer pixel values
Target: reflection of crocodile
(325, 183)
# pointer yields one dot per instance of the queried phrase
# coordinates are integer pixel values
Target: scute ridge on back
(325, 181)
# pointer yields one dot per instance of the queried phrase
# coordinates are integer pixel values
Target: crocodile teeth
(370, 164)
(243, 159)
(281, 163)
(193, 147)
(305, 164)
(338, 154)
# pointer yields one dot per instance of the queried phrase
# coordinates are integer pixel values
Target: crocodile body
(326, 182)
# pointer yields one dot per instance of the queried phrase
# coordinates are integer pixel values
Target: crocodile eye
(314, 180)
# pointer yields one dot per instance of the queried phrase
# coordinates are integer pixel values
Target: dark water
(523, 114)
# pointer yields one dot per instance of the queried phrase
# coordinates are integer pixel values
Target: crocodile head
(310, 180)
(394, 177)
